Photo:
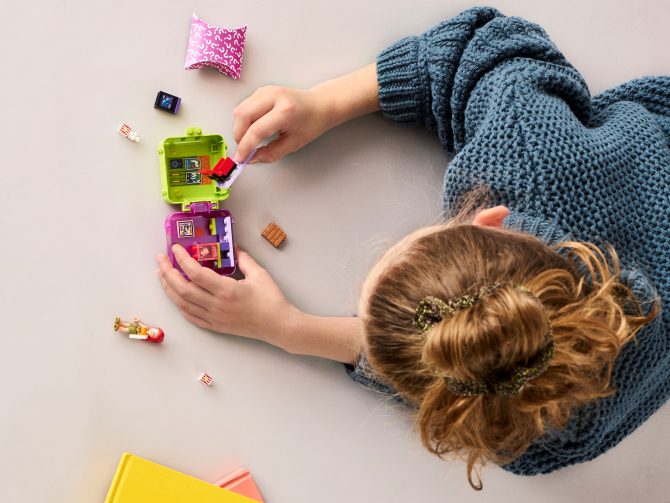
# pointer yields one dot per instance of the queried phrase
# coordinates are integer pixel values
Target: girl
(528, 333)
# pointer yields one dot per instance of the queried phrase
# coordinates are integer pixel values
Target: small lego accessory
(221, 48)
(206, 379)
(236, 172)
(204, 252)
(225, 166)
(167, 102)
(127, 131)
(226, 171)
(222, 170)
(138, 330)
(274, 234)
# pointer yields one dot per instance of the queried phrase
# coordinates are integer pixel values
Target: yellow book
(140, 481)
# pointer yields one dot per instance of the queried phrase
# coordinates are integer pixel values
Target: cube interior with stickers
(167, 102)
(202, 227)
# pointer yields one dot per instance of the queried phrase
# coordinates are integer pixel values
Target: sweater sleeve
(428, 79)
(653, 93)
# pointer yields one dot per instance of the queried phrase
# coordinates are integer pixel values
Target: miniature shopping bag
(221, 48)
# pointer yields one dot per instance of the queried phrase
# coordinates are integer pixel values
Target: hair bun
(494, 344)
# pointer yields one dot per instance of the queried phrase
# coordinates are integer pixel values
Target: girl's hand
(252, 307)
(301, 115)
(298, 116)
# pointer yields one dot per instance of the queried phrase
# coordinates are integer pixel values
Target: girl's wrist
(333, 109)
(326, 113)
(288, 323)
(349, 96)
(335, 338)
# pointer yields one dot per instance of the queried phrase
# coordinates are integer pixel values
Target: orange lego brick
(274, 234)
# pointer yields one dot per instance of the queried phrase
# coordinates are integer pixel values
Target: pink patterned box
(210, 45)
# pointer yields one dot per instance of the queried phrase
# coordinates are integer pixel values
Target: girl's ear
(491, 217)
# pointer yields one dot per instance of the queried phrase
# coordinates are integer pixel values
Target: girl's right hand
(298, 116)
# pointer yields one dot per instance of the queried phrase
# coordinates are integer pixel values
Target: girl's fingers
(247, 264)
(187, 308)
(202, 277)
(184, 289)
(275, 150)
(197, 321)
(249, 111)
(264, 127)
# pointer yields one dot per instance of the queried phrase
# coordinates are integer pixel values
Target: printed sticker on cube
(185, 229)
(193, 177)
(176, 163)
(191, 163)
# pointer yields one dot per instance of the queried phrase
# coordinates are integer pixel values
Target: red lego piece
(221, 171)
(204, 252)
(224, 167)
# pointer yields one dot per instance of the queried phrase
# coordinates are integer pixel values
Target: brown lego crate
(274, 234)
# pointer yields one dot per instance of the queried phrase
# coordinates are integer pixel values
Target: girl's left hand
(252, 307)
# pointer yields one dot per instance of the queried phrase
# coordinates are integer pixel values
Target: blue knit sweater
(520, 119)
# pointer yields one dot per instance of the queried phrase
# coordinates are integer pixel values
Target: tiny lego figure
(206, 379)
(138, 330)
(127, 131)
(274, 235)
(167, 102)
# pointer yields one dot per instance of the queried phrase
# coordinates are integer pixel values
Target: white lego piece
(206, 379)
(127, 131)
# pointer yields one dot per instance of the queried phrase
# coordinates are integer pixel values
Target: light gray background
(83, 218)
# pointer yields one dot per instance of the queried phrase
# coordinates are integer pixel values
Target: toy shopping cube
(203, 228)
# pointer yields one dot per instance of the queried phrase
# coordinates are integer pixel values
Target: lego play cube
(202, 227)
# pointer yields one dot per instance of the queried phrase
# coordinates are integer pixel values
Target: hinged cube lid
(181, 159)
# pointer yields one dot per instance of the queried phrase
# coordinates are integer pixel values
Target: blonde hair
(575, 286)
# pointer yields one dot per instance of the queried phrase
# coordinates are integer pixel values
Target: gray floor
(83, 220)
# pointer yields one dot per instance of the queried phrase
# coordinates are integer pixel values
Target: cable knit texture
(518, 118)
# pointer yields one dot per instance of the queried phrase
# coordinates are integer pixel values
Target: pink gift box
(210, 45)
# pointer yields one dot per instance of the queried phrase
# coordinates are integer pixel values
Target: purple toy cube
(203, 231)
